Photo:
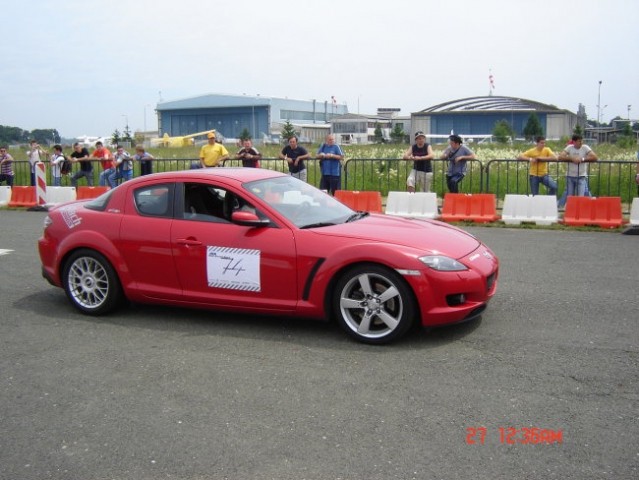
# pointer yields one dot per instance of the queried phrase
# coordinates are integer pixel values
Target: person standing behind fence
(457, 156)
(249, 154)
(330, 159)
(81, 154)
(56, 165)
(213, 154)
(577, 155)
(35, 154)
(6, 169)
(538, 157)
(421, 175)
(145, 159)
(106, 160)
(295, 155)
(123, 166)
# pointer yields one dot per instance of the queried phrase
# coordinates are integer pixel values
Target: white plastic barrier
(540, 209)
(5, 195)
(415, 205)
(634, 211)
(56, 195)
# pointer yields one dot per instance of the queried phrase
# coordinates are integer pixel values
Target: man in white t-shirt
(35, 154)
(577, 154)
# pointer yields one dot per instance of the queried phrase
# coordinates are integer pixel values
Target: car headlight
(443, 263)
(47, 221)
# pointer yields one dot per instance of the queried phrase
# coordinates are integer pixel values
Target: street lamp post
(126, 125)
(599, 112)
(599, 104)
(629, 112)
(146, 105)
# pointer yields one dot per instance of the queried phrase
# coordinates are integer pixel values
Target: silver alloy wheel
(88, 282)
(371, 305)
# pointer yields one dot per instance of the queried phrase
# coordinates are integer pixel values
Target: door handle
(188, 242)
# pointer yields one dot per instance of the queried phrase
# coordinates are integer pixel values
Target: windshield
(301, 203)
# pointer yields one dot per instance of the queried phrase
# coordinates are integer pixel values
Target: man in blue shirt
(330, 159)
(457, 155)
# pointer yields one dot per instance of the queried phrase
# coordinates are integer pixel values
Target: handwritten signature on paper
(230, 267)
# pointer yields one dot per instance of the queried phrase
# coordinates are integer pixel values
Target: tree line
(15, 135)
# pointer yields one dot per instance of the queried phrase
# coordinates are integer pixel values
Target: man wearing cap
(457, 156)
(422, 172)
(213, 154)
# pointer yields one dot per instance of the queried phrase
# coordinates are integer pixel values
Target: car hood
(428, 235)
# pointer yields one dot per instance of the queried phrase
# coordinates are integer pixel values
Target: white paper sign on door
(233, 268)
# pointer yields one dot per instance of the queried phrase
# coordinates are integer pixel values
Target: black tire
(91, 283)
(373, 304)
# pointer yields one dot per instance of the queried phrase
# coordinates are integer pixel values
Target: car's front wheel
(373, 304)
(91, 283)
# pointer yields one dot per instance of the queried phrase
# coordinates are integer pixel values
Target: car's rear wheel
(91, 283)
(373, 304)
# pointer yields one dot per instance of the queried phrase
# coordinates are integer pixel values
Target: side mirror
(248, 219)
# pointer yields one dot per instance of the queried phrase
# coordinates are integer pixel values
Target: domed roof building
(475, 117)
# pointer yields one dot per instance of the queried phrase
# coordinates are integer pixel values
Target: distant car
(258, 241)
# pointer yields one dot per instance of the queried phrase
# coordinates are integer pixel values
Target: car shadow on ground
(54, 305)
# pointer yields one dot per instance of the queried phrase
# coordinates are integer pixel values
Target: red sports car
(256, 240)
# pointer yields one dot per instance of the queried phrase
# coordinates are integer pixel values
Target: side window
(155, 200)
(204, 203)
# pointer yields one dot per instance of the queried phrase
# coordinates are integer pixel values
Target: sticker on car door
(233, 268)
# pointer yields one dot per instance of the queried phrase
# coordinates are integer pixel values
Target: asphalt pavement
(544, 385)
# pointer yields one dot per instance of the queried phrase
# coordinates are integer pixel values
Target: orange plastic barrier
(23, 197)
(604, 212)
(86, 193)
(360, 201)
(478, 207)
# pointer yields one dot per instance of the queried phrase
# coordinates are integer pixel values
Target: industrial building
(263, 117)
(475, 118)
(360, 129)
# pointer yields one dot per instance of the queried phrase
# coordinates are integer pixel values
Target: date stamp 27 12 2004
(515, 436)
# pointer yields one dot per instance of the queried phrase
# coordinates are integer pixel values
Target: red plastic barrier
(23, 197)
(477, 207)
(87, 193)
(604, 212)
(360, 201)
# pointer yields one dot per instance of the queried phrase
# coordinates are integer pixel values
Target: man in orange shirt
(106, 160)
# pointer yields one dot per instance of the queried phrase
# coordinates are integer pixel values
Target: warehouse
(263, 117)
(476, 117)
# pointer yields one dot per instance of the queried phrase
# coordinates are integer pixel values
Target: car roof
(240, 174)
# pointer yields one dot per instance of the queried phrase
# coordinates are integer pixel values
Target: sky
(91, 67)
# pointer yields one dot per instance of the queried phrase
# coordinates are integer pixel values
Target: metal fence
(606, 178)
(501, 177)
